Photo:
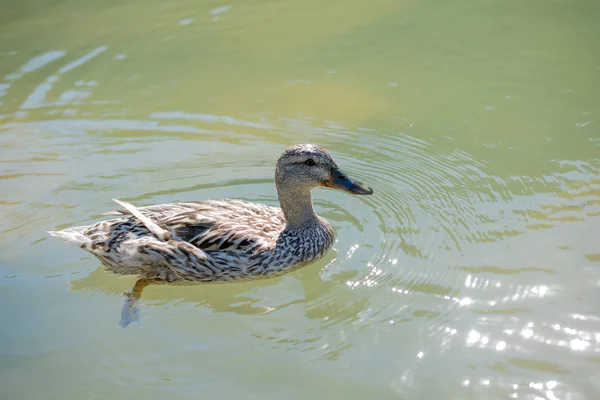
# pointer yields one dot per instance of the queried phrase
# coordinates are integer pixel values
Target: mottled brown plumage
(222, 240)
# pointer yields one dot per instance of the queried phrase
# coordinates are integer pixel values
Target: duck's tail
(73, 235)
(152, 226)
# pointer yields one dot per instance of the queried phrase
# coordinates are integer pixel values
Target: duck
(222, 240)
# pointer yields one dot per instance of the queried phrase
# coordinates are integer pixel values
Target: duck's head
(308, 166)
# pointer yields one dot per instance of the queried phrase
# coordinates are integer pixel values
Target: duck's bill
(341, 181)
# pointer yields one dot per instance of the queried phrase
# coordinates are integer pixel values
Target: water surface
(471, 274)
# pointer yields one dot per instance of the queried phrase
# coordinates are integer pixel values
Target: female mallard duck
(222, 240)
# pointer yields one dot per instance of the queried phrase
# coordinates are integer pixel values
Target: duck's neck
(297, 206)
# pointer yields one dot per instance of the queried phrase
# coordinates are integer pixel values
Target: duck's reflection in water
(318, 295)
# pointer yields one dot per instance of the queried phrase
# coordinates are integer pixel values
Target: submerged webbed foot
(131, 312)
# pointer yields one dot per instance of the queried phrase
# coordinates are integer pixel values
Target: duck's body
(206, 241)
(223, 240)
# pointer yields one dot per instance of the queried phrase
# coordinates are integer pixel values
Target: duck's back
(214, 225)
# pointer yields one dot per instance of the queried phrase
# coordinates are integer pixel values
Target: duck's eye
(310, 162)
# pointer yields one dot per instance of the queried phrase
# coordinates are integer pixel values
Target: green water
(472, 273)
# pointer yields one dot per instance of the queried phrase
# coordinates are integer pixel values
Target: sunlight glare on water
(472, 273)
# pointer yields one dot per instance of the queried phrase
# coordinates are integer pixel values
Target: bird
(221, 240)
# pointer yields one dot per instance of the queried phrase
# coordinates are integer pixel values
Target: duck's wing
(218, 225)
(219, 236)
(228, 226)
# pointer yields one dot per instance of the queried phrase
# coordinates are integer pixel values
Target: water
(471, 274)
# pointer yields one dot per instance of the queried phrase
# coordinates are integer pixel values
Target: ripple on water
(436, 260)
